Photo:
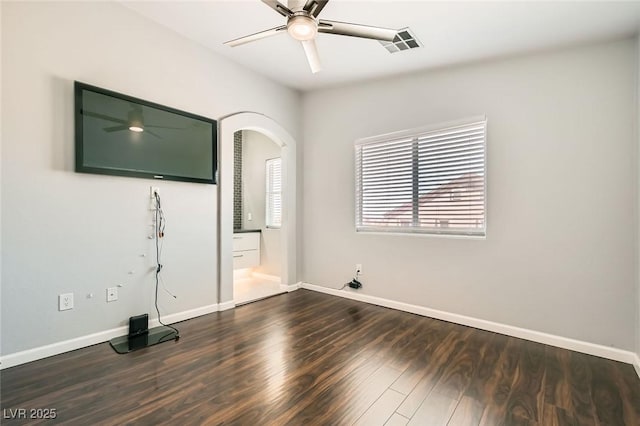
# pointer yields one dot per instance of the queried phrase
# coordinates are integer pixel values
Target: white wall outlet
(65, 301)
(112, 294)
(358, 269)
(249, 216)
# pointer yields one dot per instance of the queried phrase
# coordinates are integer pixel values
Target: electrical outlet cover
(65, 301)
(112, 294)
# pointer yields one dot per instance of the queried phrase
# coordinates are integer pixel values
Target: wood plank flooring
(310, 358)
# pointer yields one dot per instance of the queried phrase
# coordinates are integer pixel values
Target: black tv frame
(79, 142)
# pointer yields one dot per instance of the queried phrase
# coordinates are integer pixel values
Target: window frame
(414, 134)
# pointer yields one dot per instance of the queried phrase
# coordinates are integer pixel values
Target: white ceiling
(451, 32)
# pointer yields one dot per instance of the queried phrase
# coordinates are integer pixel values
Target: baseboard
(522, 333)
(224, 306)
(34, 354)
(46, 351)
(289, 287)
(185, 315)
(628, 357)
(265, 276)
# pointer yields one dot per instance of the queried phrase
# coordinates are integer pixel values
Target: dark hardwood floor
(310, 358)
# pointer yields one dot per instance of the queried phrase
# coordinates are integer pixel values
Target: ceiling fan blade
(102, 116)
(311, 50)
(314, 7)
(151, 133)
(126, 127)
(356, 30)
(115, 128)
(163, 127)
(278, 7)
(257, 36)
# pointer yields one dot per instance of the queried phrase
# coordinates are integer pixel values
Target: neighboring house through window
(429, 180)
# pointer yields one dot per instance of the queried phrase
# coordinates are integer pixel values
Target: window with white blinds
(424, 181)
(274, 193)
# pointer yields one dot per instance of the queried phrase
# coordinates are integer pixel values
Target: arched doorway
(260, 123)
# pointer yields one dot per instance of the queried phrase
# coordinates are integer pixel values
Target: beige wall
(559, 256)
(68, 232)
(637, 320)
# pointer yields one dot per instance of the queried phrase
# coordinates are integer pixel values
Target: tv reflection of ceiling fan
(302, 24)
(134, 122)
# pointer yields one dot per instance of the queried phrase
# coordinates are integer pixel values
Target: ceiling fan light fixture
(135, 120)
(302, 27)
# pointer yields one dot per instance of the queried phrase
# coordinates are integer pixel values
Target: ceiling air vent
(404, 40)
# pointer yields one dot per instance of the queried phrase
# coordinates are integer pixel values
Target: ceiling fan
(134, 122)
(304, 25)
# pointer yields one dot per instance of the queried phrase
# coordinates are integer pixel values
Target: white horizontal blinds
(274, 193)
(384, 190)
(451, 176)
(430, 182)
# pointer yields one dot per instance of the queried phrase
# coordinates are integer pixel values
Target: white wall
(69, 232)
(256, 150)
(559, 256)
(638, 203)
(1, 138)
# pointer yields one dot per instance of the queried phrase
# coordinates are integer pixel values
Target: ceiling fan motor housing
(301, 26)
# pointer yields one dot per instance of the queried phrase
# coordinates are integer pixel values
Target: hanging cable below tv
(140, 336)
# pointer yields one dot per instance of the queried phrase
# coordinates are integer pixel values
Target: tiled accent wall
(237, 180)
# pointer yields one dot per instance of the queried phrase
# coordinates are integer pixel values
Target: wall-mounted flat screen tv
(121, 135)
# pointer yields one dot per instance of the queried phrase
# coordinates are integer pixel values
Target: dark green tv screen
(120, 135)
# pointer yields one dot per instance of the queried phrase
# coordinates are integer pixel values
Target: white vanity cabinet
(246, 249)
